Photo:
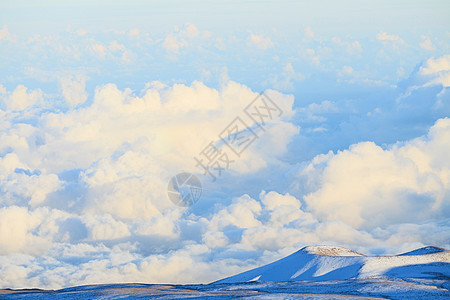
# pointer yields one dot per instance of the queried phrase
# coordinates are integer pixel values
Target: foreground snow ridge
(321, 263)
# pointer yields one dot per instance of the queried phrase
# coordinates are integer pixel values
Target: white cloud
(215, 239)
(114, 50)
(31, 187)
(18, 230)
(426, 43)
(271, 200)
(352, 48)
(346, 70)
(115, 46)
(433, 71)
(313, 56)
(309, 33)
(73, 90)
(114, 112)
(436, 65)
(437, 71)
(190, 31)
(283, 208)
(393, 46)
(285, 80)
(105, 227)
(21, 99)
(180, 39)
(173, 44)
(314, 112)
(134, 32)
(13, 238)
(4, 33)
(98, 173)
(99, 50)
(81, 32)
(260, 41)
(242, 213)
(366, 186)
(383, 36)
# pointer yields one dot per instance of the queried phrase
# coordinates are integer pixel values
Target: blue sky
(101, 104)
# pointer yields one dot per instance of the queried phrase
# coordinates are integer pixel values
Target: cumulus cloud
(98, 173)
(426, 43)
(30, 232)
(134, 32)
(172, 43)
(432, 72)
(105, 227)
(73, 90)
(392, 43)
(313, 56)
(21, 98)
(383, 36)
(285, 80)
(81, 32)
(314, 112)
(13, 238)
(180, 39)
(81, 249)
(89, 185)
(114, 50)
(4, 33)
(352, 48)
(115, 46)
(260, 41)
(99, 50)
(242, 213)
(366, 185)
(436, 65)
(309, 33)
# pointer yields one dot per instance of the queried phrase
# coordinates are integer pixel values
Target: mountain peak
(330, 251)
(319, 263)
(425, 250)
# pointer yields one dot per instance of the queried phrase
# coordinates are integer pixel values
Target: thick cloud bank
(366, 185)
(97, 116)
(83, 188)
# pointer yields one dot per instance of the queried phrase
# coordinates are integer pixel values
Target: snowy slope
(425, 250)
(321, 263)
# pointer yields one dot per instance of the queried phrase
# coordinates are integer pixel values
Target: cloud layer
(94, 121)
(86, 188)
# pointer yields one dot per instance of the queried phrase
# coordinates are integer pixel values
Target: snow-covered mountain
(320, 263)
(315, 272)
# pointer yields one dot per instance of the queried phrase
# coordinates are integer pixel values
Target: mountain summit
(319, 263)
(330, 251)
(425, 250)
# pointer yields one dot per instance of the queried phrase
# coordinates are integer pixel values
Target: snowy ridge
(330, 251)
(319, 263)
(425, 250)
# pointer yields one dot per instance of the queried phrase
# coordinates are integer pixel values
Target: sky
(101, 104)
